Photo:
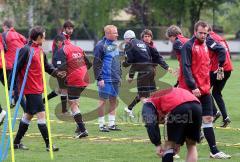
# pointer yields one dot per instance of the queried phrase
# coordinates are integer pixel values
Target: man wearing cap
(139, 57)
(143, 61)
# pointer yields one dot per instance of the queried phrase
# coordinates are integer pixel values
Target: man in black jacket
(143, 57)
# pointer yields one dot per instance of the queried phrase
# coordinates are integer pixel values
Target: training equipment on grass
(10, 98)
(46, 105)
(8, 104)
(19, 99)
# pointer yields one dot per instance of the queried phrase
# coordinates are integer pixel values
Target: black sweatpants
(217, 87)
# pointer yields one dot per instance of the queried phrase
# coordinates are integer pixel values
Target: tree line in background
(89, 16)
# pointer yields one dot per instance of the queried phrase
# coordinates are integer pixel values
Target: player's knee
(207, 119)
(73, 103)
(27, 117)
(62, 92)
(102, 102)
(41, 121)
(26, 120)
(190, 142)
(169, 145)
(75, 112)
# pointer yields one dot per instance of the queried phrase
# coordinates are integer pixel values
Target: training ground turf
(129, 145)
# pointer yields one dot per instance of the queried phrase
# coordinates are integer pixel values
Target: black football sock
(64, 103)
(79, 121)
(210, 137)
(44, 131)
(23, 127)
(134, 102)
(168, 157)
(50, 96)
(0, 108)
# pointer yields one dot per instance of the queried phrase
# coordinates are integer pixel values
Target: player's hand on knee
(159, 150)
(196, 92)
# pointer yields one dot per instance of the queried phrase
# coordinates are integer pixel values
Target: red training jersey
(213, 56)
(77, 74)
(13, 41)
(167, 100)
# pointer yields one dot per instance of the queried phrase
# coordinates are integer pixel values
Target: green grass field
(129, 145)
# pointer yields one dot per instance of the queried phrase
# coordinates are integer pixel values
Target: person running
(151, 60)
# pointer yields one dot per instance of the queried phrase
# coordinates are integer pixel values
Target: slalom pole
(4, 132)
(19, 99)
(8, 104)
(10, 98)
(46, 105)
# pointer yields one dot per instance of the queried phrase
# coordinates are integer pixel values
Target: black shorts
(74, 92)
(34, 104)
(207, 107)
(8, 72)
(145, 81)
(185, 122)
(62, 83)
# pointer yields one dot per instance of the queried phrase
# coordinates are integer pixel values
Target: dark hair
(35, 32)
(173, 30)
(68, 23)
(59, 37)
(200, 23)
(210, 28)
(146, 32)
(8, 23)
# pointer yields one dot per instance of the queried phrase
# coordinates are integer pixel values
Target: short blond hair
(107, 28)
